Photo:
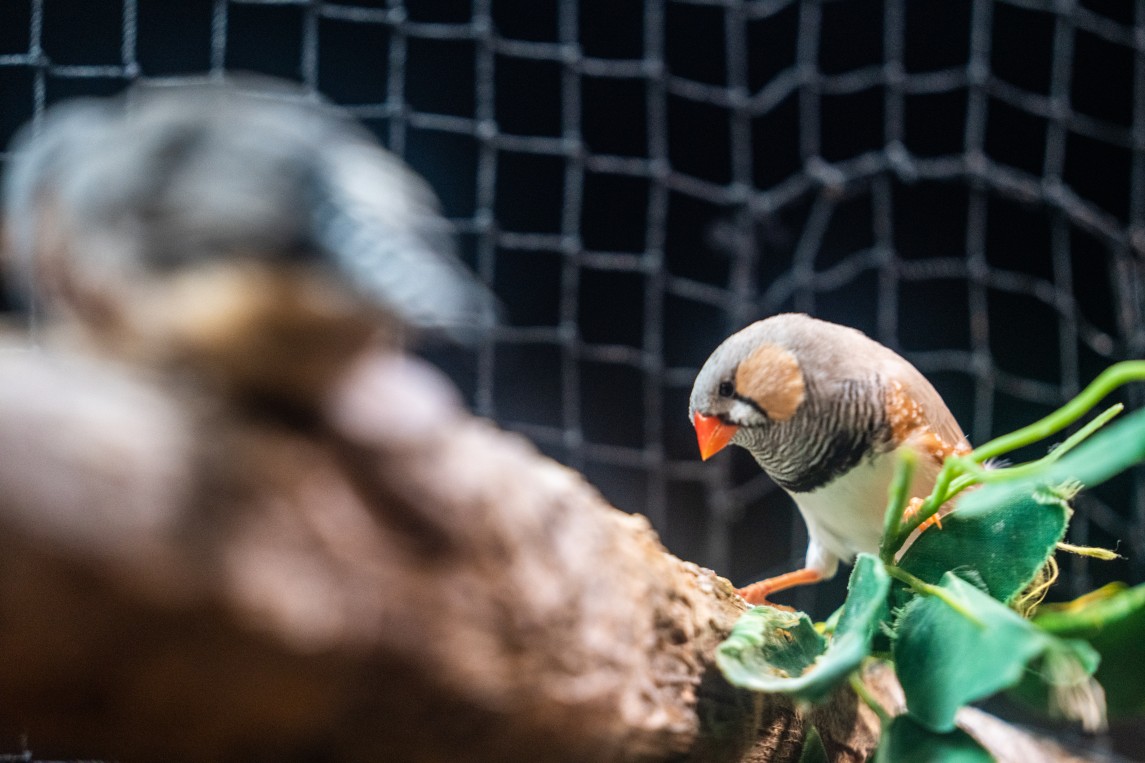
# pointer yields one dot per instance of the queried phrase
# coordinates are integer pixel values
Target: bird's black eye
(726, 389)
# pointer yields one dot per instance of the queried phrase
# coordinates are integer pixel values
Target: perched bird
(823, 409)
(243, 225)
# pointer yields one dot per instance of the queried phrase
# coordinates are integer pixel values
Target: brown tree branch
(383, 577)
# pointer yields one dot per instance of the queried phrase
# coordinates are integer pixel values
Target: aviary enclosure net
(964, 181)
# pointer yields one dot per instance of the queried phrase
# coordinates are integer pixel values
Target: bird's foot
(756, 594)
(912, 509)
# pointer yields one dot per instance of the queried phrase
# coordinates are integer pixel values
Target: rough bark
(382, 578)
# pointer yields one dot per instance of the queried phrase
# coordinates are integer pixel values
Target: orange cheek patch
(772, 378)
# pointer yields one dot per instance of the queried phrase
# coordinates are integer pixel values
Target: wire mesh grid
(966, 183)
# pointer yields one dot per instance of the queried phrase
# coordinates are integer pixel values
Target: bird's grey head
(797, 393)
(754, 378)
(761, 381)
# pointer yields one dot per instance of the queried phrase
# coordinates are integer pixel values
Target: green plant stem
(974, 473)
(932, 504)
(1110, 379)
(960, 472)
(1031, 468)
(869, 699)
(898, 495)
(921, 586)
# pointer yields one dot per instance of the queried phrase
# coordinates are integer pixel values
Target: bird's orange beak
(712, 434)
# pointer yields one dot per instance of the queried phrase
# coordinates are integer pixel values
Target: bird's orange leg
(757, 593)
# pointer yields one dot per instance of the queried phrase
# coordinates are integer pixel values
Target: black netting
(963, 181)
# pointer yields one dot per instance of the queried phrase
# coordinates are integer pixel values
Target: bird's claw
(912, 510)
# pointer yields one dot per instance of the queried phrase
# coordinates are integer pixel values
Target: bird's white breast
(845, 516)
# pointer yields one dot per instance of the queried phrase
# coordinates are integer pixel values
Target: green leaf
(864, 609)
(905, 741)
(774, 651)
(768, 648)
(945, 661)
(1006, 539)
(1112, 621)
(1005, 530)
(866, 599)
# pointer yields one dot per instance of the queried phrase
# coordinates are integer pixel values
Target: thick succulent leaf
(945, 660)
(773, 651)
(1112, 621)
(1006, 540)
(906, 741)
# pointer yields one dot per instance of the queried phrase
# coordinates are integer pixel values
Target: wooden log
(380, 577)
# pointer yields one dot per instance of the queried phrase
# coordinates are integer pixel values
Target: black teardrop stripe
(844, 451)
(834, 438)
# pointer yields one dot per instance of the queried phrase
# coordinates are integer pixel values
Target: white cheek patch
(742, 413)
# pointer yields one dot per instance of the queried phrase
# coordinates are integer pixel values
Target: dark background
(964, 181)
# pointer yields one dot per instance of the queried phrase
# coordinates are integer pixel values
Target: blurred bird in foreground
(222, 274)
(823, 409)
(243, 227)
(236, 523)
